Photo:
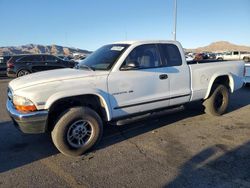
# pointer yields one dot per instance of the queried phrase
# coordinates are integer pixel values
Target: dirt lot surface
(183, 149)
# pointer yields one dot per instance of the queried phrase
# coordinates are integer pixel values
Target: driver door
(140, 89)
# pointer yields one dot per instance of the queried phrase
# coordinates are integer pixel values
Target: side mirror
(130, 66)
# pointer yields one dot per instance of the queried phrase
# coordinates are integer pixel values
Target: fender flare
(103, 96)
(210, 85)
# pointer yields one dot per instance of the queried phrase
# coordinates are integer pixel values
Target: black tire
(220, 59)
(218, 101)
(23, 72)
(64, 136)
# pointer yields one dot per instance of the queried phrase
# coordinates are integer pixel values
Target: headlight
(23, 104)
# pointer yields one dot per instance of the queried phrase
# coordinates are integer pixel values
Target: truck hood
(50, 76)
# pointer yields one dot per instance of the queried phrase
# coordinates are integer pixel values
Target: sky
(89, 24)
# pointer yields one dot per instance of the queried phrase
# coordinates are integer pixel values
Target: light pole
(175, 18)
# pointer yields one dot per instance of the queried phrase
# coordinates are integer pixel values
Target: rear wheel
(218, 101)
(78, 130)
(23, 73)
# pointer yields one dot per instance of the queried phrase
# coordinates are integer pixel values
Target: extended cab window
(145, 56)
(236, 53)
(171, 54)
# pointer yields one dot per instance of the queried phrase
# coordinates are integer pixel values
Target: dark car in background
(211, 55)
(27, 64)
(3, 65)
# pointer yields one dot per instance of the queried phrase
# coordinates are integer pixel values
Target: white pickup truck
(234, 55)
(115, 82)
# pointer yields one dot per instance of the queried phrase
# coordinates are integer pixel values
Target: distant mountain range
(38, 49)
(221, 46)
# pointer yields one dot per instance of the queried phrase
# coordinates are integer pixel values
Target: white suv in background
(234, 55)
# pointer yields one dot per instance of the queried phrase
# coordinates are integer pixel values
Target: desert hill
(221, 46)
(38, 49)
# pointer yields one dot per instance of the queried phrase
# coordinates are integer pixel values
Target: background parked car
(27, 64)
(235, 55)
(189, 58)
(211, 55)
(219, 56)
(201, 56)
(3, 65)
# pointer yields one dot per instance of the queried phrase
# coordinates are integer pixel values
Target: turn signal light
(26, 108)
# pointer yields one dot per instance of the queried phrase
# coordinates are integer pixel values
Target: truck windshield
(103, 58)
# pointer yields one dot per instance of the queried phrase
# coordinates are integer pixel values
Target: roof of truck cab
(145, 41)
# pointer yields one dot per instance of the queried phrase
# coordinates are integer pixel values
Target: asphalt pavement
(185, 148)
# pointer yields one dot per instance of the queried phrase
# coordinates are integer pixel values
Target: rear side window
(25, 59)
(236, 53)
(37, 58)
(171, 55)
(32, 58)
(51, 58)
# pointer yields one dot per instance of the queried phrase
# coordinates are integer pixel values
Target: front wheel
(78, 130)
(218, 101)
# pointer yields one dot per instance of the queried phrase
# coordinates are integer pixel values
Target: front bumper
(32, 122)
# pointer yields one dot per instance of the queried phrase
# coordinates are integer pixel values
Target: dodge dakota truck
(117, 81)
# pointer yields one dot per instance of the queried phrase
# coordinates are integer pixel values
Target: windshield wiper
(85, 66)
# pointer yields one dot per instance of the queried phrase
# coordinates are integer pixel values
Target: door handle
(163, 76)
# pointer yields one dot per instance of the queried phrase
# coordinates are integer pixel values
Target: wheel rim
(79, 133)
(23, 73)
(219, 101)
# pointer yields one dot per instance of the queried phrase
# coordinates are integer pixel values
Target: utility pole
(175, 19)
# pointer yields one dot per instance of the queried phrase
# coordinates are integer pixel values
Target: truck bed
(204, 74)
